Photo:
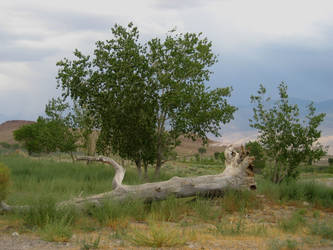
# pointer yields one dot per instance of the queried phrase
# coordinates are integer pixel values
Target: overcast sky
(258, 41)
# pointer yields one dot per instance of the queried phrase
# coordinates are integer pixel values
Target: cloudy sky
(258, 41)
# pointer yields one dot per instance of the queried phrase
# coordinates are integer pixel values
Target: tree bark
(138, 167)
(238, 174)
(145, 165)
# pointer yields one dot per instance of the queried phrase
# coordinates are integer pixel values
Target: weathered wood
(238, 174)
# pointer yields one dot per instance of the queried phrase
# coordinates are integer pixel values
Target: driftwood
(238, 174)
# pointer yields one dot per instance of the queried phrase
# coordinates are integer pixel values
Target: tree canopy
(143, 96)
(46, 136)
(286, 139)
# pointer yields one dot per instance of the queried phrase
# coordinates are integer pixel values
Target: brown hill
(7, 128)
(187, 147)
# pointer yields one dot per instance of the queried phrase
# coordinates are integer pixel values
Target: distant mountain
(7, 128)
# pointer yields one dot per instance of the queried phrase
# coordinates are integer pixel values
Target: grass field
(291, 216)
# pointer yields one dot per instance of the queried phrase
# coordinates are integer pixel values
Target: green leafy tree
(31, 136)
(202, 150)
(330, 161)
(216, 155)
(76, 124)
(46, 136)
(222, 157)
(286, 140)
(256, 150)
(144, 96)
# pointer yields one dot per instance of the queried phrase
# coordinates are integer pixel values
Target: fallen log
(238, 174)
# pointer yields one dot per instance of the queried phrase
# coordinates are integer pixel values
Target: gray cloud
(24, 54)
(307, 71)
(176, 4)
(70, 21)
(8, 37)
(11, 50)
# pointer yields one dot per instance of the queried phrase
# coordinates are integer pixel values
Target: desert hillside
(7, 128)
(187, 147)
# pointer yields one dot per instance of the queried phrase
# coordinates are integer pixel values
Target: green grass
(61, 180)
(44, 212)
(41, 183)
(171, 209)
(293, 223)
(312, 192)
(157, 236)
(240, 201)
(323, 229)
(111, 211)
(317, 169)
(60, 231)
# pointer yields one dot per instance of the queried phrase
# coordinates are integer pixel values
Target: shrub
(157, 236)
(216, 155)
(197, 157)
(330, 161)
(5, 145)
(4, 181)
(257, 151)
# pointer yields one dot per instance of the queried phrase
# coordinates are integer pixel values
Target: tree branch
(238, 174)
(120, 171)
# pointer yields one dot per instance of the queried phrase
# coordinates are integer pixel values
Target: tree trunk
(138, 166)
(238, 174)
(72, 156)
(158, 164)
(146, 171)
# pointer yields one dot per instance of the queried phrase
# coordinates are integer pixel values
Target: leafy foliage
(330, 161)
(74, 117)
(257, 151)
(142, 97)
(202, 150)
(46, 136)
(286, 140)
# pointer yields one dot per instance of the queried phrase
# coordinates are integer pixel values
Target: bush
(257, 151)
(330, 161)
(4, 181)
(5, 145)
(158, 236)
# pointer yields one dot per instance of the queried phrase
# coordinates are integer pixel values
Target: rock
(15, 234)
